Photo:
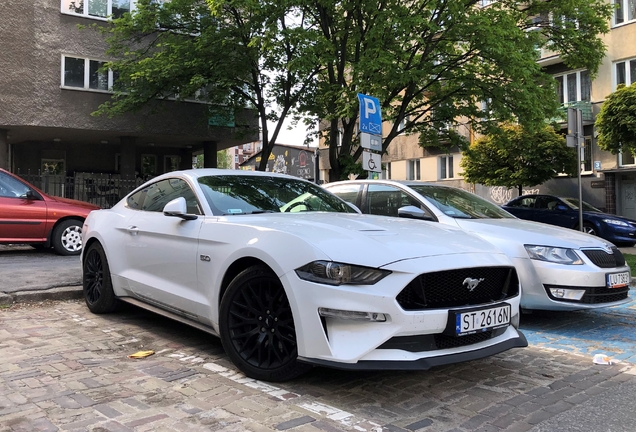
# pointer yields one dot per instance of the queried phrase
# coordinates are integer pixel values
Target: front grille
(603, 259)
(449, 288)
(594, 295)
(422, 343)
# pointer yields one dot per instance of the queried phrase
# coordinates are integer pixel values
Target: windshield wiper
(249, 213)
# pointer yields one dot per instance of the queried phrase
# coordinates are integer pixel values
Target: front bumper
(537, 276)
(428, 362)
(358, 344)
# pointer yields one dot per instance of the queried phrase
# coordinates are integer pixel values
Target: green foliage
(517, 157)
(231, 54)
(224, 159)
(616, 123)
(432, 62)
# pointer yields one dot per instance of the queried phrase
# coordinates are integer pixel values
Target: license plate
(480, 320)
(618, 280)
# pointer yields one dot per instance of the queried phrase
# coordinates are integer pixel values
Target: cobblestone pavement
(64, 368)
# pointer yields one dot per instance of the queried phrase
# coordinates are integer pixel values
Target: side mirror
(30, 195)
(561, 207)
(413, 212)
(178, 208)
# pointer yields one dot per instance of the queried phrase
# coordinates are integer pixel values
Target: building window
(446, 167)
(626, 158)
(86, 74)
(96, 8)
(625, 11)
(625, 72)
(413, 170)
(148, 166)
(171, 163)
(574, 86)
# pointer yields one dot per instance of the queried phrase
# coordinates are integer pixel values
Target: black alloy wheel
(97, 285)
(257, 326)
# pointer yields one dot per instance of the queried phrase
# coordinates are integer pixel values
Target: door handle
(133, 230)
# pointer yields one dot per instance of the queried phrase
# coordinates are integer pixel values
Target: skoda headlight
(616, 222)
(334, 273)
(553, 254)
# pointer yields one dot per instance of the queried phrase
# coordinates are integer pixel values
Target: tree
(232, 54)
(431, 62)
(517, 157)
(616, 123)
(224, 159)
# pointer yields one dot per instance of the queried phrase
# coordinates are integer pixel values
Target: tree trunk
(520, 190)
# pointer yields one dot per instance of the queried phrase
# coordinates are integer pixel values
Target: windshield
(574, 203)
(245, 194)
(458, 203)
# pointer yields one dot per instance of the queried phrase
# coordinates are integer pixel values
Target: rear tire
(67, 237)
(97, 285)
(257, 327)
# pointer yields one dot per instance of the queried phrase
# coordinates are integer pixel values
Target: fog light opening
(567, 294)
(352, 315)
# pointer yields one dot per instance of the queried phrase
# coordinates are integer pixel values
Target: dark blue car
(565, 212)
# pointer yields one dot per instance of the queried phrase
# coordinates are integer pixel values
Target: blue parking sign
(370, 115)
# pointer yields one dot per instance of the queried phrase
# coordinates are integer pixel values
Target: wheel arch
(49, 238)
(235, 268)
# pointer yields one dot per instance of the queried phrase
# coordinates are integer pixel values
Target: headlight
(333, 273)
(616, 222)
(553, 254)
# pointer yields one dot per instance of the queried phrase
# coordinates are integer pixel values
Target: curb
(60, 293)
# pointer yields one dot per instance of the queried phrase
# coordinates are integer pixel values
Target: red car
(28, 215)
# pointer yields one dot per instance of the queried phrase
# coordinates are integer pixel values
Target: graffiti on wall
(502, 195)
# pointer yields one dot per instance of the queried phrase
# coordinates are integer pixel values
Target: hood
(75, 203)
(378, 240)
(600, 215)
(527, 232)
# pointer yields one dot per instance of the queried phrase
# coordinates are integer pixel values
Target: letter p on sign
(369, 107)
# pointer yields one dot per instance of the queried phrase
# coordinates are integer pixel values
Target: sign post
(575, 139)
(370, 133)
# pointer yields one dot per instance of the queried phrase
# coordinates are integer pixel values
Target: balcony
(584, 106)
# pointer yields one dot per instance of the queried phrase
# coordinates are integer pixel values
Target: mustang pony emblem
(471, 283)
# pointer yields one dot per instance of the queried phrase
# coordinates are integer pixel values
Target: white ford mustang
(289, 275)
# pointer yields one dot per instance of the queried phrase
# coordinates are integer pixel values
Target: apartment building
(608, 181)
(51, 83)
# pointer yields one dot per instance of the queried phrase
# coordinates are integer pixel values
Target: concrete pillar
(186, 159)
(4, 150)
(127, 158)
(209, 154)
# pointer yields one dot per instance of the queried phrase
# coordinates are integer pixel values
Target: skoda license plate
(618, 280)
(482, 320)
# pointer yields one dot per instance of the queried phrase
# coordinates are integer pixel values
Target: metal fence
(104, 190)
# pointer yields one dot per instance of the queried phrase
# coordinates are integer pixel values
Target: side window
(527, 202)
(347, 192)
(386, 200)
(136, 200)
(10, 187)
(546, 203)
(154, 197)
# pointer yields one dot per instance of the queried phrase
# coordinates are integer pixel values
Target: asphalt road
(23, 268)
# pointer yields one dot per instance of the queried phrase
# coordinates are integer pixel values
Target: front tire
(67, 237)
(97, 285)
(589, 229)
(257, 327)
